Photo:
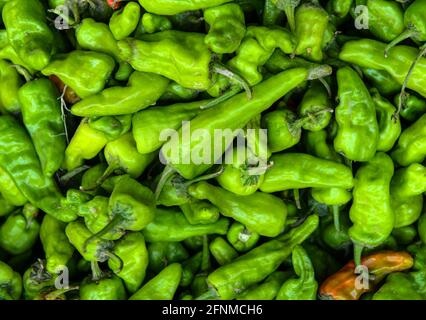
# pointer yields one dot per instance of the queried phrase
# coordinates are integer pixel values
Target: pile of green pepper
(96, 205)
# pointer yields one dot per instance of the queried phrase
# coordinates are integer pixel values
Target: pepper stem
(23, 72)
(112, 256)
(408, 33)
(219, 68)
(289, 7)
(336, 217)
(227, 95)
(97, 273)
(205, 177)
(320, 72)
(296, 195)
(107, 173)
(402, 94)
(165, 175)
(110, 226)
(358, 254)
(69, 175)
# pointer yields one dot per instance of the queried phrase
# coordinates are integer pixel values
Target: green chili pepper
(382, 80)
(131, 249)
(172, 7)
(162, 254)
(421, 227)
(305, 287)
(405, 235)
(337, 239)
(102, 287)
(298, 170)
(241, 238)
(36, 280)
(310, 35)
(123, 22)
(357, 136)
(171, 225)
(163, 286)
(152, 23)
(175, 93)
(112, 126)
(230, 280)
(339, 8)
(243, 110)
(149, 125)
(9, 190)
(415, 107)
(189, 268)
(323, 262)
(411, 144)
(10, 82)
(263, 213)
(279, 61)
(267, 290)
(84, 145)
(5, 206)
(10, 283)
(200, 212)
(86, 72)
(55, 243)
(36, 45)
(41, 112)
(222, 251)
(317, 144)
(95, 214)
(143, 90)
(227, 28)
(389, 128)
(271, 14)
(371, 211)
(20, 231)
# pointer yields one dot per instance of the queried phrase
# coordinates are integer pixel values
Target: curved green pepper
(152, 23)
(123, 22)
(36, 45)
(10, 82)
(371, 211)
(200, 212)
(86, 72)
(41, 112)
(382, 80)
(415, 107)
(263, 213)
(241, 238)
(267, 290)
(162, 254)
(222, 251)
(10, 283)
(305, 286)
(317, 144)
(227, 28)
(55, 243)
(172, 7)
(358, 131)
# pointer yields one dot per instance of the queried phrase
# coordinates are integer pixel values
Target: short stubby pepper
(152, 23)
(358, 130)
(41, 112)
(172, 7)
(123, 22)
(345, 284)
(411, 146)
(86, 72)
(105, 288)
(36, 45)
(299, 170)
(143, 90)
(371, 211)
(200, 212)
(10, 283)
(222, 251)
(263, 213)
(227, 28)
(241, 238)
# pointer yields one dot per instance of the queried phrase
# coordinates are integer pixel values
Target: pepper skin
(36, 280)
(371, 211)
(163, 286)
(10, 283)
(358, 131)
(10, 82)
(222, 251)
(142, 91)
(317, 144)
(343, 284)
(305, 286)
(172, 7)
(131, 249)
(298, 170)
(86, 72)
(200, 212)
(41, 112)
(414, 108)
(9, 190)
(241, 238)
(382, 80)
(123, 22)
(227, 28)
(267, 290)
(229, 280)
(55, 243)
(171, 225)
(411, 147)
(263, 213)
(106, 288)
(36, 45)
(95, 213)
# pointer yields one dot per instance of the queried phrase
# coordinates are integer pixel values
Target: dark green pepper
(162, 254)
(268, 289)
(10, 283)
(414, 107)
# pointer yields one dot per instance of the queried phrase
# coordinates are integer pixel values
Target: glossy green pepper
(123, 22)
(142, 91)
(405, 235)
(86, 72)
(389, 128)
(271, 14)
(152, 23)
(172, 7)
(299, 170)
(263, 213)
(9, 190)
(369, 53)
(200, 212)
(55, 243)
(190, 267)
(222, 251)
(310, 35)
(36, 45)
(241, 238)
(41, 112)
(175, 93)
(10, 82)
(10, 283)
(382, 80)
(227, 28)
(411, 147)
(357, 136)
(337, 239)
(36, 280)
(5, 206)
(229, 280)
(163, 286)
(340, 8)
(102, 287)
(317, 144)
(371, 211)
(171, 225)
(95, 213)
(162, 254)
(414, 106)
(268, 289)
(131, 249)
(305, 286)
